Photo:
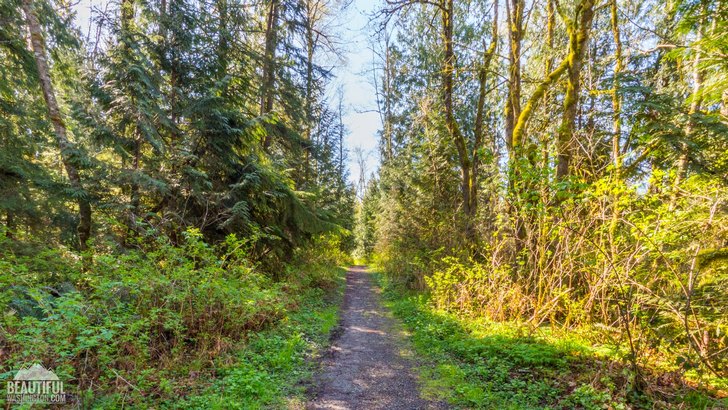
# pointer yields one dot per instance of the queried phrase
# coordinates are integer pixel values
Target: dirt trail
(364, 368)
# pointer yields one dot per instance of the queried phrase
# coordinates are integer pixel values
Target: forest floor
(476, 364)
(367, 365)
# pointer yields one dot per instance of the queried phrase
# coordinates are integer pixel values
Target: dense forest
(165, 177)
(549, 218)
(563, 165)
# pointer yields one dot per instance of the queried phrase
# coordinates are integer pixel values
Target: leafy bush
(324, 250)
(137, 324)
(475, 290)
(502, 365)
(649, 277)
(276, 361)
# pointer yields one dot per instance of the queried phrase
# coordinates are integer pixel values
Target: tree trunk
(388, 100)
(271, 43)
(617, 121)
(341, 139)
(578, 36)
(311, 42)
(309, 100)
(514, 14)
(480, 108)
(467, 178)
(66, 147)
(9, 224)
(682, 165)
(513, 100)
(223, 46)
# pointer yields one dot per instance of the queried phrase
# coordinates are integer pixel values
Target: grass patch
(185, 325)
(473, 364)
(274, 369)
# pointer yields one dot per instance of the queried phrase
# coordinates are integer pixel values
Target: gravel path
(364, 368)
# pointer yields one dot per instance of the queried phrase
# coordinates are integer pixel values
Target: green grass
(480, 365)
(184, 325)
(274, 369)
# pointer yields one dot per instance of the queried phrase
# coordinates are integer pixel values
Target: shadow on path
(364, 368)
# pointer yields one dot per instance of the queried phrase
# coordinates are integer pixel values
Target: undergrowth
(489, 365)
(168, 325)
(273, 369)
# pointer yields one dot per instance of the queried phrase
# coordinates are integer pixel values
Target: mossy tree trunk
(69, 153)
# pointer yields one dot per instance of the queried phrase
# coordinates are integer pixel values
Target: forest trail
(364, 368)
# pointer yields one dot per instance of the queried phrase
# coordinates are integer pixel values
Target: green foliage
(272, 368)
(132, 326)
(194, 221)
(487, 365)
(627, 241)
(474, 290)
(633, 252)
(325, 250)
(166, 130)
(364, 230)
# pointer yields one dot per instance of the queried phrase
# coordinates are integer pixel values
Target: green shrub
(324, 250)
(132, 320)
(476, 290)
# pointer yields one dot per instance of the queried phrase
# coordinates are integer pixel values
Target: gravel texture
(364, 368)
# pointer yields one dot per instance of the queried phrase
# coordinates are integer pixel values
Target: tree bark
(9, 224)
(468, 159)
(697, 76)
(616, 97)
(480, 108)
(467, 178)
(578, 36)
(514, 10)
(514, 14)
(223, 46)
(59, 127)
(617, 120)
(341, 139)
(311, 19)
(271, 43)
(388, 99)
(309, 98)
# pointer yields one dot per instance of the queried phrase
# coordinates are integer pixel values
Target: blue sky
(356, 79)
(353, 75)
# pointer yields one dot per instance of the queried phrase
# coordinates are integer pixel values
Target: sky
(356, 79)
(353, 75)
